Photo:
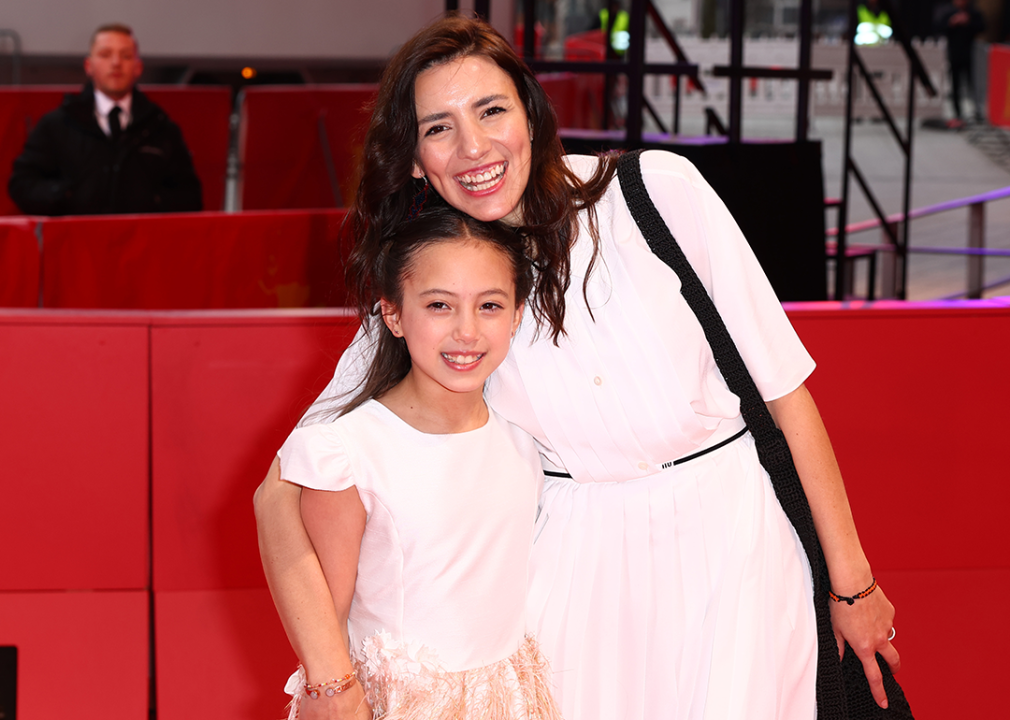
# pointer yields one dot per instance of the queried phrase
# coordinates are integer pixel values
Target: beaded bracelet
(857, 596)
(333, 687)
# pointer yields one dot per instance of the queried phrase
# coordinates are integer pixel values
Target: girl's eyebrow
(485, 293)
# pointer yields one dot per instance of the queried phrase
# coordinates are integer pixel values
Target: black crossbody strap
(772, 447)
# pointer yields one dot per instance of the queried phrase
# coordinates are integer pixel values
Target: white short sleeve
(314, 456)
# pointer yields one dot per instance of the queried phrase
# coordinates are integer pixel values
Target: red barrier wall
(204, 116)
(915, 401)
(20, 263)
(193, 261)
(225, 393)
(202, 113)
(283, 141)
(999, 85)
(913, 408)
(80, 655)
(74, 441)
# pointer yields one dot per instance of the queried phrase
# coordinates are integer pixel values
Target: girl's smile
(457, 317)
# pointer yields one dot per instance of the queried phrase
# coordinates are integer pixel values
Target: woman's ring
(891, 636)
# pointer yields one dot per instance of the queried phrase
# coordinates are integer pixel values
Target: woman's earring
(419, 199)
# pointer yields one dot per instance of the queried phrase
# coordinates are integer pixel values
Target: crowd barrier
(134, 442)
(19, 262)
(999, 85)
(203, 114)
(174, 262)
(299, 147)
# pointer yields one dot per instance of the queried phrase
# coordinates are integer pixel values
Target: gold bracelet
(857, 596)
(333, 687)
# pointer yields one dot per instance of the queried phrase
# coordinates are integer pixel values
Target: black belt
(681, 461)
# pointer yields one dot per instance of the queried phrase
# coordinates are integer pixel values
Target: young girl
(419, 501)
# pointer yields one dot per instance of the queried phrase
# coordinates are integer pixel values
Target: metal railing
(15, 40)
(917, 72)
(976, 251)
(633, 65)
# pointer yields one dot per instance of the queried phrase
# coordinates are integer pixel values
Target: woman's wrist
(850, 576)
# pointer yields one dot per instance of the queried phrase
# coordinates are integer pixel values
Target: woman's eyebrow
(489, 99)
(436, 116)
(433, 117)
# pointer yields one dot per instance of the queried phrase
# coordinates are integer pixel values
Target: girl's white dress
(437, 623)
(658, 591)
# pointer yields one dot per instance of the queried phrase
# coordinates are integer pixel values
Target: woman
(656, 589)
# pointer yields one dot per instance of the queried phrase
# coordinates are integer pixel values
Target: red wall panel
(193, 261)
(916, 410)
(951, 637)
(999, 85)
(284, 136)
(220, 654)
(225, 394)
(19, 263)
(204, 116)
(80, 655)
(73, 435)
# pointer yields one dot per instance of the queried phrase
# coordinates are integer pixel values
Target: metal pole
(902, 256)
(736, 21)
(843, 206)
(803, 91)
(529, 28)
(676, 104)
(609, 54)
(976, 239)
(636, 74)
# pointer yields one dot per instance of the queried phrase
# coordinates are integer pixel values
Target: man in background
(108, 149)
(960, 22)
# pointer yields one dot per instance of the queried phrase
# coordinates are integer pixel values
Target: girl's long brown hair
(552, 198)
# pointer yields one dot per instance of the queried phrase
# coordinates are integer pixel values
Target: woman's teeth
(482, 181)
(462, 359)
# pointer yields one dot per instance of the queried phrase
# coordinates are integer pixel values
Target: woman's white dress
(658, 591)
(437, 622)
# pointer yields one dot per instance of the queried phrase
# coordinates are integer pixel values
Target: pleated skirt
(684, 595)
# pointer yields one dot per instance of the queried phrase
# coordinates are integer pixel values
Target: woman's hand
(866, 626)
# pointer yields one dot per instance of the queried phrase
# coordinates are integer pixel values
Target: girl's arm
(313, 612)
(866, 624)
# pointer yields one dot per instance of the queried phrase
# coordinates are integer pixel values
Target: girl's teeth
(462, 359)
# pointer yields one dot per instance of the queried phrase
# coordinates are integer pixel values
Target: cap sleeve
(315, 457)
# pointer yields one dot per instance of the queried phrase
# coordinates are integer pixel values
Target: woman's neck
(436, 410)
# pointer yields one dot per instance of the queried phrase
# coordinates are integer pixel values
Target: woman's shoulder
(665, 162)
(653, 163)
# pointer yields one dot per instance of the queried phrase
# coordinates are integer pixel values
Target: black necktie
(115, 129)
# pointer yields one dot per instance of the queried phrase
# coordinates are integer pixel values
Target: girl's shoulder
(321, 455)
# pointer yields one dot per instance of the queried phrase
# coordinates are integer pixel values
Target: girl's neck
(436, 411)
